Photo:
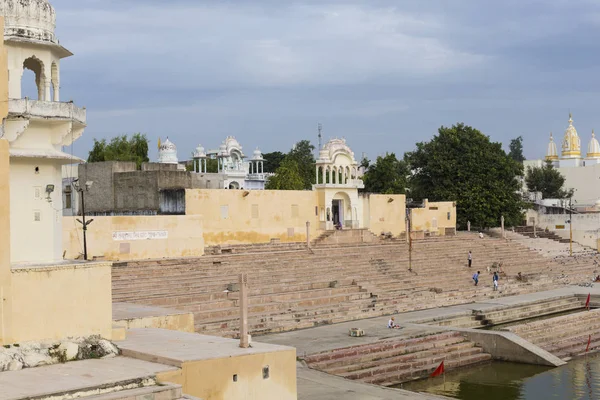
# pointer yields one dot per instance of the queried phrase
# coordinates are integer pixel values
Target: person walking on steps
(476, 277)
(495, 279)
(470, 258)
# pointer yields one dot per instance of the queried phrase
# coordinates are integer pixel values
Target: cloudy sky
(382, 73)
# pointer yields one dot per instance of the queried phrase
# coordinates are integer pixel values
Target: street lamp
(83, 222)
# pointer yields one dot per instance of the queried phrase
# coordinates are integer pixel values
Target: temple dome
(200, 152)
(167, 153)
(257, 155)
(571, 147)
(333, 148)
(552, 153)
(32, 20)
(593, 150)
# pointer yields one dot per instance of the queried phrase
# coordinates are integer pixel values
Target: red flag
(587, 302)
(589, 341)
(438, 371)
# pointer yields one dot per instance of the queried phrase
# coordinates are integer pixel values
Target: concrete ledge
(134, 316)
(507, 346)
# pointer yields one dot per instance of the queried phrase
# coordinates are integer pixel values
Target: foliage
(212, 165)
(302, 154)
(516, 150)
(121, 148)
(272, 161)
(287, 177)
(388, 175)
(461, 164)
(548, 180)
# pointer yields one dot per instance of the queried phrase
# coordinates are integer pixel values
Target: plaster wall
(213, 379)
(384, 215)
(5, 272)
(239, 216)
(101, 196)
(35, 221)
(54, 302)
(586, 227)
(3, 75)
(434, 217)
(184, 237)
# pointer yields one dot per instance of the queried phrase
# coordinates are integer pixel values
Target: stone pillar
(317, 175)
(324, 174)
(5, 272)
(47, 91)
(308, 234)
(468, 226)
(56, 91)
(502, 226)
(244, 340)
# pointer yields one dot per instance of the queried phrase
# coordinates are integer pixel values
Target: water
(578, 380)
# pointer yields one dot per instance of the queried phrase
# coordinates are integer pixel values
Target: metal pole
(409, 240)
(85, 257)
(308, 234)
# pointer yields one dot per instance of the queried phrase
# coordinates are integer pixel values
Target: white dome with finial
(552, 153)
(167, 153)
(257, 155)
(30, 20)
(200, 152)
(593, 150)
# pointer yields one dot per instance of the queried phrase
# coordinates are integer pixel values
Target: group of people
(495, 277)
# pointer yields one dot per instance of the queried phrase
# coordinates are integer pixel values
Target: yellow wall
(213, 379)
(55, 302)
(184, 237)
(5, 274)
(230, 217)
(385, 215)
(423, 218)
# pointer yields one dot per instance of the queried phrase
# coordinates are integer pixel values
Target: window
(433, 208)
(266, 372)
(235, 377)
(449, 216)
(68, 201)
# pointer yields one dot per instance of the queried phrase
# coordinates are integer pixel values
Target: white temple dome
(200, 152)
(552, 153)
(334, 147)
(257, 154)
(167, 153)
(29, 20)
(593, 150)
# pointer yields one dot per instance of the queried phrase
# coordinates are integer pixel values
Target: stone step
(156, 392)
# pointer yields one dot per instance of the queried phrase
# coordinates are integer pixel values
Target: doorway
(338, 212)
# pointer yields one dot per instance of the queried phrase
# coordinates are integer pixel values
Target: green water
(578, 380)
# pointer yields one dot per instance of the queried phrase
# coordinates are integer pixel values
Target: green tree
(461, 164)
(516, 149)
(121, 148)
(272, 161)
(302, 154)
(388, 175)
(548, 180)
(287, 177)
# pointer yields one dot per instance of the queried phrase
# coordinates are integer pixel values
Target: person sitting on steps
(392, 324)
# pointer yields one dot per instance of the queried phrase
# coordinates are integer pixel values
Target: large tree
(547, 180)
(121, 148)
(388, 175)
(272, 161)
(461, 164)
(516, 149)
(287, 177)
(302, 154)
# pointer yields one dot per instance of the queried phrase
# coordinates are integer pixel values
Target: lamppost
(82, 221)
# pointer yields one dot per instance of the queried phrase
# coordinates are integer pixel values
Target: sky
(384, 74)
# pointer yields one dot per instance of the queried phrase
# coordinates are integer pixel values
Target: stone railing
(47, 109)
(351, 183)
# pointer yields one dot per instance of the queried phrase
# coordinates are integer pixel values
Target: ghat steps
(565, 336)
(291, 289)
(391, 362)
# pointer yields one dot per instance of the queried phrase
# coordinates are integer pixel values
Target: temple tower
(37, 130)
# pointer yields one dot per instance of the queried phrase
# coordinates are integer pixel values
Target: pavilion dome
(257, 155)
(200, 152)
(167, 153)
(31, 20)
(333, 148)
(552, 153)
(593, 150)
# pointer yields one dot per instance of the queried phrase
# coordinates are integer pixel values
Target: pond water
(578, 380)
